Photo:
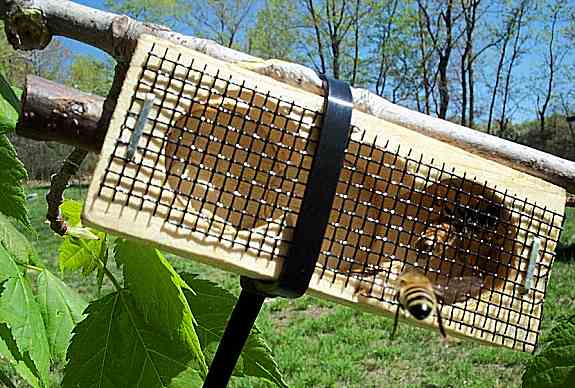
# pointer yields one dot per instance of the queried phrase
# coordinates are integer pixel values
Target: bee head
(420, 311)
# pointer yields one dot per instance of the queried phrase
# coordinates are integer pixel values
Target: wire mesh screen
(211, 161)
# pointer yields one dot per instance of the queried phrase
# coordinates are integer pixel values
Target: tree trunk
(470, 74)
(504, 121)
(356, 45)
(467, 61)
(444, 56)
(316, 22)
(541, 111)
(463, 70)
(424, 70)
(502, 54)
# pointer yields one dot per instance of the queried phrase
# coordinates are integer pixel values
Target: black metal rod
(235, 336)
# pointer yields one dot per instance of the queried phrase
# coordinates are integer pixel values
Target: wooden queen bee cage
(219, 170)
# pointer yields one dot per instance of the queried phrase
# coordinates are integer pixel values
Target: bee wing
(361, 271)
(459, 289)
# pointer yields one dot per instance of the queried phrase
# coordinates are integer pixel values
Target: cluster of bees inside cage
(460, 237)
(461, 242)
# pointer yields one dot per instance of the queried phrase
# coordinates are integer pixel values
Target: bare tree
(425, 57)
(336, 26)
(471, 15)
(315, 20)
(551, 66)
(512, 25)
(355, 43)
(440, 31)
(221, 20)
(469, 8)
(516, 51)
(383, 40)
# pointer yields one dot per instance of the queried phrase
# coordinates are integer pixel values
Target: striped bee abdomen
(419, 301)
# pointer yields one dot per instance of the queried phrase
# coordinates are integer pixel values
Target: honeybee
(438, 238)
(417, 294)
(462, 232)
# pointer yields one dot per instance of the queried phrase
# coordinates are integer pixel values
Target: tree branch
(117, 36)
(58, 184)
(53, 112)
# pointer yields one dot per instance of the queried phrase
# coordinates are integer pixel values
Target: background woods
(504, 67)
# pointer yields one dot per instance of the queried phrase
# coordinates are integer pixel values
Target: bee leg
(395, 322)
(440, 325)
(372, 285)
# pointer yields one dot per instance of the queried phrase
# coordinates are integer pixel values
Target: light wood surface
(227, 195)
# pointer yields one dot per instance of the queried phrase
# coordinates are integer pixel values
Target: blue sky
(527, 66)
(77, 47)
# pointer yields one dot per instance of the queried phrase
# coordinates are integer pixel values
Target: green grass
(321, 344)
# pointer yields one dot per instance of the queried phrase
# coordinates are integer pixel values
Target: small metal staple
(139, 127)
(533, 256)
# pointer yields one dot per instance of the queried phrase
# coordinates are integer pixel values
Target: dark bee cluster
(467, 243)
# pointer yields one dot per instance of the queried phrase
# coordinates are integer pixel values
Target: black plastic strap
(299, 265)
(234, 338)
(308, 236)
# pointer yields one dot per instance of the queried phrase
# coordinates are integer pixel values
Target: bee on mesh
(449, 249)
(419, 296)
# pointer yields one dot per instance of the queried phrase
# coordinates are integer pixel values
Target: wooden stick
(117, 35)
(54, 112)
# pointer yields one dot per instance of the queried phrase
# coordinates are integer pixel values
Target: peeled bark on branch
(54, 112)
(117, 35)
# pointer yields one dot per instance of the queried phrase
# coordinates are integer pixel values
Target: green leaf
(62, 309)
(554, 366)
(212, 306)
(158, 292)
(75, 253)
(22, 364)
(114, 347)
(82, 247)
(188, 378)
(6, 380)
(12, 173)
(9, 105)
(82, 233)
(72, 212)
(19, 246)
(8, 267)
(22, 315)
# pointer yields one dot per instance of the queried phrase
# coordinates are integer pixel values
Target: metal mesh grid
(479, 239)
(223, 160)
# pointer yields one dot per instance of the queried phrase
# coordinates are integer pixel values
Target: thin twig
(33, 267)
(59, 183)
(102, 266)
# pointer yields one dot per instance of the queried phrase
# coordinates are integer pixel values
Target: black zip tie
(299, 265)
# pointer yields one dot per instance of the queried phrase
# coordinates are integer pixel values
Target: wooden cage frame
(252, 209)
